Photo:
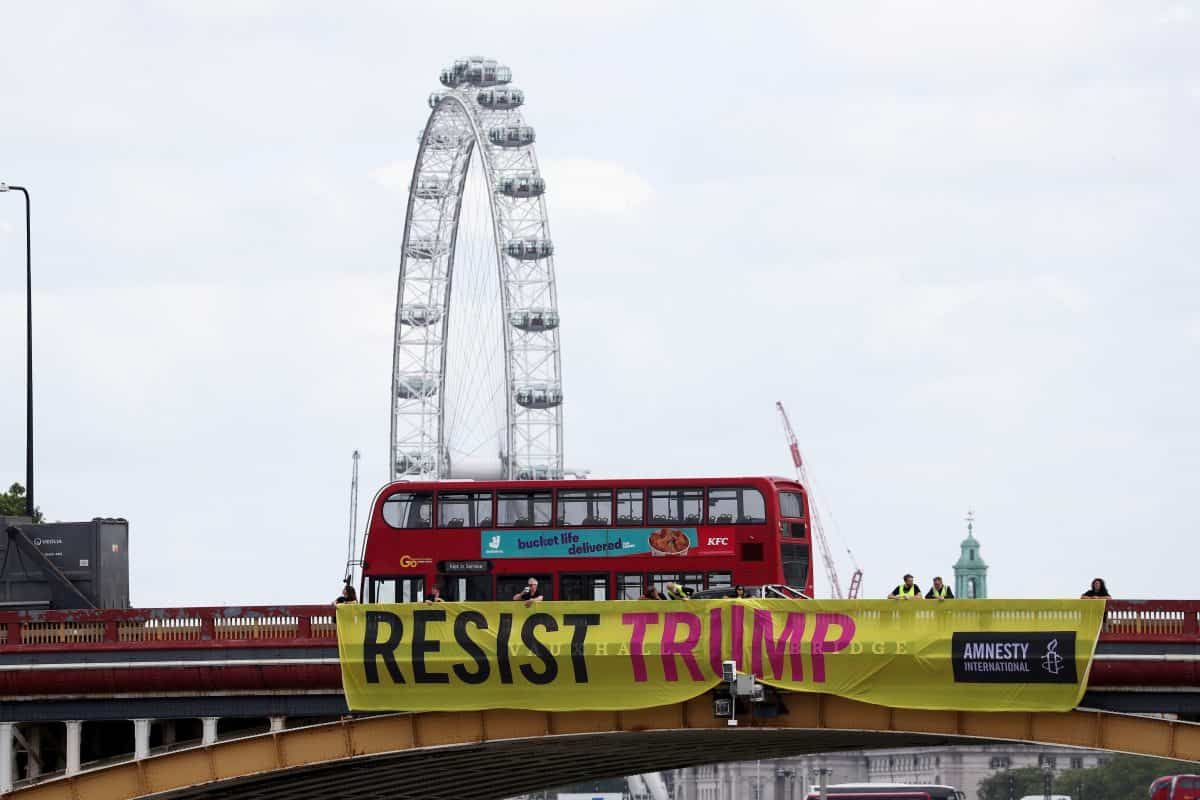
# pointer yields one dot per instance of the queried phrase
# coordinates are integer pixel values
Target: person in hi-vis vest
(906, 591)
(940, 591)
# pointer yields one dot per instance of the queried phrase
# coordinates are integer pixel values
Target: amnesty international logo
(1014, 657)
(1052, 662)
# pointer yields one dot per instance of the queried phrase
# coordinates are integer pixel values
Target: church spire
(970, 571)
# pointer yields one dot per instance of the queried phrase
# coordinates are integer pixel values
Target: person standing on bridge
(530, 594)
(434, 596)
(348, 595)
(1099, 589)
(906, 591)
(940, 591)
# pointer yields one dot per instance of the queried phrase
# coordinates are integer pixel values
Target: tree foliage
(12, 503)
(1120, 778)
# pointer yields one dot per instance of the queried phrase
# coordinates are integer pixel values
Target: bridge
(175, 692)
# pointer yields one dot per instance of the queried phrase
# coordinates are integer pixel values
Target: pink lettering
(637, 641)
(736, 634)
(788, 642)
(822, 644)
(685, 649)
(715, 640)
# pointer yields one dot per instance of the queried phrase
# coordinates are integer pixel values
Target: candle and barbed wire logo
(1052, 662)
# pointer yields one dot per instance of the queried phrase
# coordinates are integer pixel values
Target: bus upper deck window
(409, 510)
(791, 504)
(523, 509)
(743, 506)
(464, 509)
(675, 505)
(584, 507)
(629, 507)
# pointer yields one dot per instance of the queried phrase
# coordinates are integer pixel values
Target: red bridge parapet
(1152, 621)
(309, 625)
(174, 628)
(274, 648)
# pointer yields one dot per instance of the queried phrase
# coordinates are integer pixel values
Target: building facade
(962, 767)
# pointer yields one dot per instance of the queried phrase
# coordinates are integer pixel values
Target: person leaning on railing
(1098, 589)
(906, 591)
(940, 591)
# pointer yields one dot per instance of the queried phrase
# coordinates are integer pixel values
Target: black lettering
(580, 622)
(471, 648)
(539, 649)
(502, 636)
(373, 648)
(421, 646)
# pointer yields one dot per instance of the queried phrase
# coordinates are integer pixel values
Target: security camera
(729, 671)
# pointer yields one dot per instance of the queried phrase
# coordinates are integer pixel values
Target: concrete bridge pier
(141, 739)
(209, 734)
(74, 744)
(7, 757)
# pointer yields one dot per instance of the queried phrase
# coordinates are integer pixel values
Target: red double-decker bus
(1176, 787)
(584, 539)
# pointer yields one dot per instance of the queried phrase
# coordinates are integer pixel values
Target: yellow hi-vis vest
(941, 593)
(910, 591)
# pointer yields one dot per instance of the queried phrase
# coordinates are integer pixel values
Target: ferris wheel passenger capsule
(432, 188)
(536, 472)
(500, 98)
(521, 185)
(539, 396)
(420, 314)
(438, 140)
(414, 463)
(534, 320)
(529, 249)
(485, 72)
(415, 385)
(425, 247)
(511, 136)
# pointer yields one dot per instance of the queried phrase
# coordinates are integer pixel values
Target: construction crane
(818, 531)
(351, 561)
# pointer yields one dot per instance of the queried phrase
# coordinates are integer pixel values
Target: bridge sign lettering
(610, 656)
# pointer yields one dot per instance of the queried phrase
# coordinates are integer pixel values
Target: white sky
(958, 240)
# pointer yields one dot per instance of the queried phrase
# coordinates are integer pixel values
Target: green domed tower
(970, 571)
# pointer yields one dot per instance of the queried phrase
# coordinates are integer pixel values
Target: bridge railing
(1152, 621)
(1125, 621)
(156, 627)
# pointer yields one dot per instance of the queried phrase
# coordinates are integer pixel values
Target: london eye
(476, 375)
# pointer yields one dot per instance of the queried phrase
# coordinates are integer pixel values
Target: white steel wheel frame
(458, 128)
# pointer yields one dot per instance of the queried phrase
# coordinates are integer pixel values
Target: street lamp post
(29, 505)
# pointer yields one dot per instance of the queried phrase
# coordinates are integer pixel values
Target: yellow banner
(981, 655)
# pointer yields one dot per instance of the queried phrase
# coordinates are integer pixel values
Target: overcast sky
(958, 240)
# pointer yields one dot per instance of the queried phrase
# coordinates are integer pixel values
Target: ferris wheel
(476, 373)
